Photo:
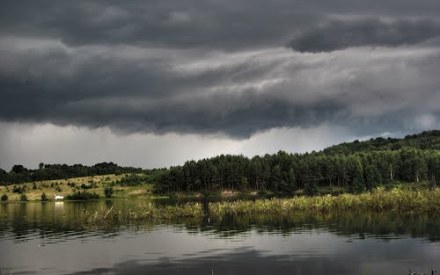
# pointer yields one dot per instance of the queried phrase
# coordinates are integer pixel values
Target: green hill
(424, 141)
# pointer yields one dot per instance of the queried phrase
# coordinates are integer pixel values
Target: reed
(396, 200)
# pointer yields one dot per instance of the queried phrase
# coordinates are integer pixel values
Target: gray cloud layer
(220, 67)
(341, 35)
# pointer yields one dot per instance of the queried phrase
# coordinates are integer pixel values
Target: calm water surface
(47, 238)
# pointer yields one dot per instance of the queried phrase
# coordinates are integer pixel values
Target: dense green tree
(4, 197)
(372, 177)
(433, 168)
(108, 192)
(244, 183)
(23, 197)
(355, 173)
(311, 188)
(44, 197)
(290, 182)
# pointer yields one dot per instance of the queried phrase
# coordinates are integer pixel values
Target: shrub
(19, 189)
(108, 191)
(4, 197)
(44, 197)
(82, 196)
(132, 180)
(23, 197)
(88, 186)
(58, 189)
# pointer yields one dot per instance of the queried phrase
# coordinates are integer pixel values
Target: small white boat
(59, 198)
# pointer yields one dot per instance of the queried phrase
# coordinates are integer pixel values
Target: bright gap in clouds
(30, 144)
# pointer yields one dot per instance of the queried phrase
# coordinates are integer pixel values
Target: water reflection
(251, 261)
(61, 218)
(48, 238)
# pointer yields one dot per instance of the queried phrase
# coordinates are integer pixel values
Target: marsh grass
(397, 200)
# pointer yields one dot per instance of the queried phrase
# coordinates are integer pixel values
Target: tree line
(287, 173)
(20, 174)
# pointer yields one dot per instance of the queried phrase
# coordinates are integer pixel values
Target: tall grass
(147, 212)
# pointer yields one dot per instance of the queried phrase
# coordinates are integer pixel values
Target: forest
(355, 167)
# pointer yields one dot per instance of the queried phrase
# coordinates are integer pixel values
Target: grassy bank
(64, 187)
(397, 200)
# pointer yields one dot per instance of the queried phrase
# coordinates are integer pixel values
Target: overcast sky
(154, 83)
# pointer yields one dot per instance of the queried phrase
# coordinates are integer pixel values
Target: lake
(48, 238)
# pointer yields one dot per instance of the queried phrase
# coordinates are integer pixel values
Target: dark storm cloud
(340, 35)
(224, 25)
(84, 88)
(212, 67)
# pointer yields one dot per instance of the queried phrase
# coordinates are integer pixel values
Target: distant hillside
(425, 140)
(19, 173)
(353, 166)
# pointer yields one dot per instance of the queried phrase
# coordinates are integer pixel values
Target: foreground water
(49, 238)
